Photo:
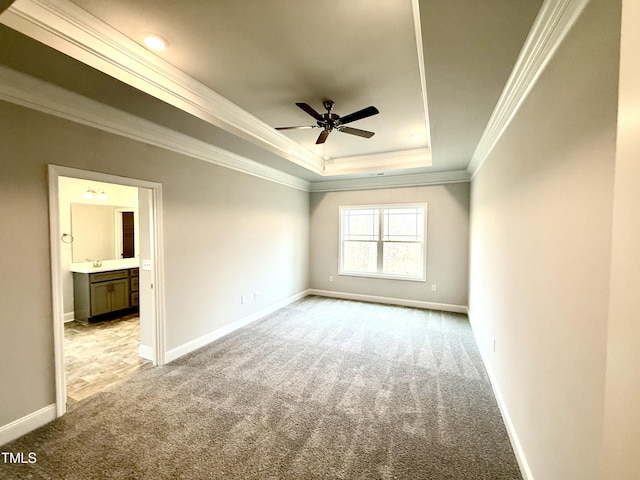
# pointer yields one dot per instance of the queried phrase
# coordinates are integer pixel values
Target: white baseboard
(146, 352)
(445, 307)
(206, 339)
(511, 430)
(69, 317)
(30, 422)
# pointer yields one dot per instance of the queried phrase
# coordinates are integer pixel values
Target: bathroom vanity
(100, 292)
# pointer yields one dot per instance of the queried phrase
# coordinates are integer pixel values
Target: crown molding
(392, 181)
(554, 21)
(66, 27)
(21, 89)
(417, 26)
(378, 162)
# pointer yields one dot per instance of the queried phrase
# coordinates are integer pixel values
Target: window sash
(381, 233)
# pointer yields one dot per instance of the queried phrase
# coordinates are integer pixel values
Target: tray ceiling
(262, 57)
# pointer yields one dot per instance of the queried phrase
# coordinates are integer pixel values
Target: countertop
(107, 266)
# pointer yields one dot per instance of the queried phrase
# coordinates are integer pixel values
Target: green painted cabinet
(133, 286)
(102, 293)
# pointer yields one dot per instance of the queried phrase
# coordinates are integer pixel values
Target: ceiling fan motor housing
(329, 120)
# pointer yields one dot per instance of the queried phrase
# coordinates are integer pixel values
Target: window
(383, 241)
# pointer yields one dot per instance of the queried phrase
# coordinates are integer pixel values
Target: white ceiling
(266, 55)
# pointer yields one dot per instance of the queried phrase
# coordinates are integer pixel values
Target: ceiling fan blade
(297, 127)
(323, 137)
(309, 109)
(356, 131)
(364, 113)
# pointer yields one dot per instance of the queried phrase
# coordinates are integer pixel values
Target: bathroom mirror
(103, 232)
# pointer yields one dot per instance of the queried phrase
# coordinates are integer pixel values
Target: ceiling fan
(330, 121)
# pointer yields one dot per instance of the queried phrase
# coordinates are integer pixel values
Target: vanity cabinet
(133, 274)
(96, 294)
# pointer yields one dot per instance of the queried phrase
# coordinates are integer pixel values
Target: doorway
(127, 238)
(144, 275)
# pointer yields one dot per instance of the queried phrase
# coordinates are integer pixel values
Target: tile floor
(101, 354)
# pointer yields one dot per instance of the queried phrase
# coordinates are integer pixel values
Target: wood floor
(100, 355)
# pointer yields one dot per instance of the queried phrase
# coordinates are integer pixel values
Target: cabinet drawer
(134, 299)
(134, 272)
(134, 284)
(106, 276)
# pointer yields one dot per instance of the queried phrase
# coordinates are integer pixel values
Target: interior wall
(218, 226)
(622, 396)
(146, 293)
(447, 243)
(540, 248)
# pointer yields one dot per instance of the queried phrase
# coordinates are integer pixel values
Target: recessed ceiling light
(155, 42)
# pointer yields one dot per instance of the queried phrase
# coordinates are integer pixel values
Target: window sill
(382, 276)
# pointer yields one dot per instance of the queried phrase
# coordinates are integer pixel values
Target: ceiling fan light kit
(332, 121)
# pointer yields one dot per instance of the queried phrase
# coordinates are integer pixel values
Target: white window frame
(380, 242)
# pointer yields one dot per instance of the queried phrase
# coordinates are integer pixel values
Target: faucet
(96, 263)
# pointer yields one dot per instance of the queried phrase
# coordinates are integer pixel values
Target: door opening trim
(157, 273)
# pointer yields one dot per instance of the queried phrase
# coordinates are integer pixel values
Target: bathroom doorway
(106, 328)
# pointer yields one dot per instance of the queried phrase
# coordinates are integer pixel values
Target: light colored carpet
(321, 389)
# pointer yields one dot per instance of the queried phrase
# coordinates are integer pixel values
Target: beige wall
(447, 243)
(622, 395)
(218, 226)
(540, 249)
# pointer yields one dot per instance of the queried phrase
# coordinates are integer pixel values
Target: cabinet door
(119, 294)
(100, 298)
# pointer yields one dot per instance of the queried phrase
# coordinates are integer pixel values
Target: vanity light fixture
(90, 194)
(155, 42)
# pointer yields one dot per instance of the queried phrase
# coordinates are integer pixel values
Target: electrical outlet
(331, 278)
(434, 288)
(243, 299)
(494, 345)
(255, 295)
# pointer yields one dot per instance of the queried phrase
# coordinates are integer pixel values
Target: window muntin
(383, 241)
